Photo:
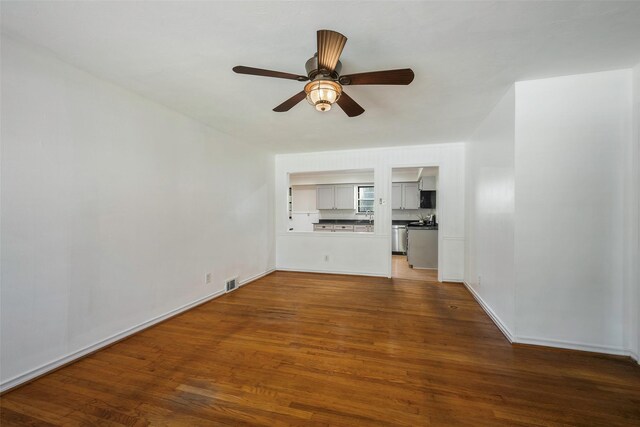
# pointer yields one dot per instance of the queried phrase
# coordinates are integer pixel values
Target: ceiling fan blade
(330, 45)
(291, 102)
(241, 69)
(388, 77)
(349, 106)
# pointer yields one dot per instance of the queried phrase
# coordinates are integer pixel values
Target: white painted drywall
(490, 211)
(632, 226)
(113, 210)
(571, 138)
(329, 177)
(371, 253)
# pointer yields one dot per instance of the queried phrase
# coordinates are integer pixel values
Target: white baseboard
(256, 277)
(544, 342)
(54, 364)
(350, 273)
(499, 323)
(572, 345)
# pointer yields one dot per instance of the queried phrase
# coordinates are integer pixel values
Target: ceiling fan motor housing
(313, 72)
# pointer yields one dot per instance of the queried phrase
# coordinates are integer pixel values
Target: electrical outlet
(479, 279)
(326, 258)
(207, 278)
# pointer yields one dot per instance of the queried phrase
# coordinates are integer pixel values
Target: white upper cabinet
(410, 196)
(428, 183)
(335, 196)
(396, 196)
(405, 196)
(325, 197)
(344, 197)
(303, 199)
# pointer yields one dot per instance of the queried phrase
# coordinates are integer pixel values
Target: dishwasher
(398, 239)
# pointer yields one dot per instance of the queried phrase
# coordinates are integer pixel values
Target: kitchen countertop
(409, 223)
(414, 224)
(345, 221)
(402, 221)
(422, 227)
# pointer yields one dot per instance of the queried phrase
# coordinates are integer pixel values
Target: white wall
(370, 253)
(490, 270)
(572, 134)
(412, 214)
(113, 210)
(632, 226)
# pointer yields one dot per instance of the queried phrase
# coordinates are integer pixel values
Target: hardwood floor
(316, 350)
(400, 269)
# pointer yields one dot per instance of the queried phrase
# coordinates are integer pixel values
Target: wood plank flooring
(317, 350)
(400, 269)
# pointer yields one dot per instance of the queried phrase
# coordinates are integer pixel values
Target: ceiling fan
(325, 81)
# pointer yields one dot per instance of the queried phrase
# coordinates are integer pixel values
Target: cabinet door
(396, 196)
(344, 197)
(428, 183)
(410, 196)
(324, 197)
(346, 227)
(322, 227)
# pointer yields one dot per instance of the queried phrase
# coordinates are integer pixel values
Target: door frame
(439, 216)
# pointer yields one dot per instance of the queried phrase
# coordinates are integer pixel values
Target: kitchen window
(365, 198)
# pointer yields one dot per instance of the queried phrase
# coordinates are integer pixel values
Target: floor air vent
(232, 284)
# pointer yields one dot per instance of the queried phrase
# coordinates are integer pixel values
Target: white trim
(256, 277)
(499, 323)
(350, 273)
(452, 280)
(515, 339)
(54, 364)
(573, 345)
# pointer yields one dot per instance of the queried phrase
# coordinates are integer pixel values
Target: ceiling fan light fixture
(322, 94)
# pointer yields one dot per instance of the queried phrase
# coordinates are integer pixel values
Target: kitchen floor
(400, 269)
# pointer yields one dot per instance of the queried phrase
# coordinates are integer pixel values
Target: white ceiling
(465, 55)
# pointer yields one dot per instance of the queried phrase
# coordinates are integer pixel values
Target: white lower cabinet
(340, 227)
(322, 227)
(360, 228)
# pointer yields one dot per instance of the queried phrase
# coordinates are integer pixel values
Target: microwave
(428, 199)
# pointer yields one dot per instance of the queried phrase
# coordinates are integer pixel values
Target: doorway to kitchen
(414, 223)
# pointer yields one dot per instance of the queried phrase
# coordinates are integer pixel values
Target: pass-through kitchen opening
(336, 202)
(414, 223)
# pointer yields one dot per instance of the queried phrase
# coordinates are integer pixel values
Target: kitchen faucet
(370, 215)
